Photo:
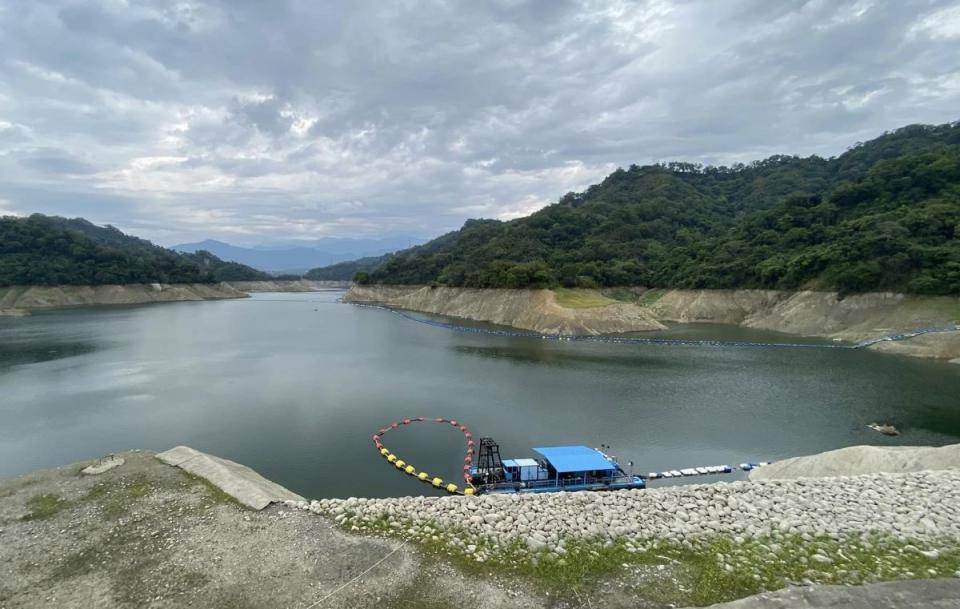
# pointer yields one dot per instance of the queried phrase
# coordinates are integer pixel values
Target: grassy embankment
(588, 299)
(700, 572)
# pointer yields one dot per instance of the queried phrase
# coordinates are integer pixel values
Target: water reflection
(545, 355)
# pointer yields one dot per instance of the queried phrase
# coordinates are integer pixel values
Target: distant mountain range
(300, 258)
(49, 250)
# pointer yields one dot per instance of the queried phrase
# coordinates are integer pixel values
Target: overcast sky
(255, 122)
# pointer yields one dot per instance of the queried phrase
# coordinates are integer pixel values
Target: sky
(261, 122)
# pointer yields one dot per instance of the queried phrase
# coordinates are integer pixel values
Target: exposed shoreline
(145, 533)
(18, 301)
(823, 314)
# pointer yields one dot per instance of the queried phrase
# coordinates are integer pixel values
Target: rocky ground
(149, 535)
(713, 542)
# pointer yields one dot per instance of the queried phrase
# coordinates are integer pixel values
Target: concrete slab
(239, 481)
(103, 465)
(918, 594)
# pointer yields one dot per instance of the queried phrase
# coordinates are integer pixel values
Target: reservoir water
(294, 385)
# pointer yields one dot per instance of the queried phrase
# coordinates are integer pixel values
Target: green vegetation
(45, 506)
(135, 511)
(116, 499)
(885, 215)
(213, 493)
(650, 297)
(43, 250)
(346, 271)
(581, 299)
(697, 572)
(621, 294)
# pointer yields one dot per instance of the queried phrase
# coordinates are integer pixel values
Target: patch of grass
(132, 554)
(413, 597)
(213, 494)
(650, 297)
(233, 598)
(45, 506)
(721, 569)
(621, 294)
(76, 564)
(709, 570)
(585, 563)
(115, 498)
(581, 299)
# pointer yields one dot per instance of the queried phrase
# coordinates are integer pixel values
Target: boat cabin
(524, 470)
(576, 463)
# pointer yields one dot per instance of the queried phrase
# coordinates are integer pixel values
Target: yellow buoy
(391, 458)
(400, 463)
(437, 482)
(451, 488)
(384, 452)
(468, 491)
(410, 469)
(423, 476)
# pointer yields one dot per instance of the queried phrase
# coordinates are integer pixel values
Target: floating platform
(555, 469)
(558, 468)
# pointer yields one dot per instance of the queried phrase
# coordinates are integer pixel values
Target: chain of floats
(403, 466)
(632, 340)
(469, 489)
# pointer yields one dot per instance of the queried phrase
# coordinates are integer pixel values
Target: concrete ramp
(239, 481)
(857, 460)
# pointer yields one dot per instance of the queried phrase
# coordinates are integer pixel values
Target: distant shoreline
(19, 301)
(853, 318)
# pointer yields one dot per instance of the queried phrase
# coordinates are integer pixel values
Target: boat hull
(619, 484)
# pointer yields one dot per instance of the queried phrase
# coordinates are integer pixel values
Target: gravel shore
(709, 543)
(146, 534)
(923, 505)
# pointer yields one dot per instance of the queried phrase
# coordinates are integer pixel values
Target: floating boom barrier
(703, 471)
(469, 489)
(684, 342)
(422, 476)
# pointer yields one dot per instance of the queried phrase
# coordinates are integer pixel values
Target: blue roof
(575, 459)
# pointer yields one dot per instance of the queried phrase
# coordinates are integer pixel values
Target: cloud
(258, 122)
(53, 161)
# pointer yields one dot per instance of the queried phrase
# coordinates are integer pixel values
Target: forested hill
(345, 271)
(885, 215)
(46, 250)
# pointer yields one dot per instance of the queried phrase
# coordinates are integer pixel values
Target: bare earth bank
(853, 318)
(20, 300)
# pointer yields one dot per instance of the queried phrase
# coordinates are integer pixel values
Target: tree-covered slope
(345, 271)
(44, 250)
(885, 215)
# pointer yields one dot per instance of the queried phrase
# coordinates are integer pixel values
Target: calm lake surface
(294, 385)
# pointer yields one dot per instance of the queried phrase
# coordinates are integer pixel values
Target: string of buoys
(422, 476)
(469, 489)
(633, 340)
(703, 471)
